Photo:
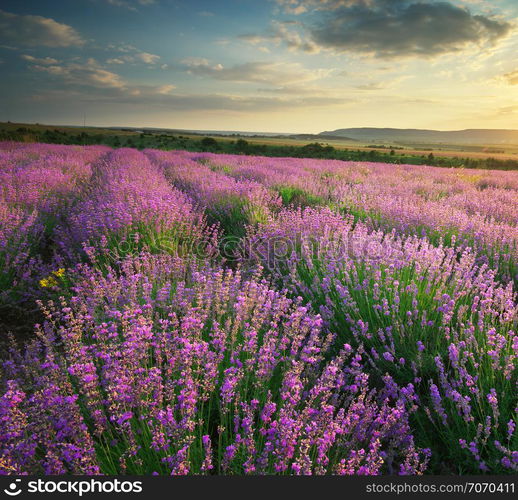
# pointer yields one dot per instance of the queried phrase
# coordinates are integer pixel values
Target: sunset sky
(261, 65)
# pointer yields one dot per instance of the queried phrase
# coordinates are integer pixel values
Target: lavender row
(37, 185)
(231, 203)
(129, 206)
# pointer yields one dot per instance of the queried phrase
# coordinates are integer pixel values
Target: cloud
(195, 61)
(128, 4)
(39, 60)
(92, 78)
(255, 39)
(294, 40)
(387, 83)
(371, 86)
(131, 55)
(89, 74)
(295, 6)
(302, 6)
(507, 110)
(122, 47)
(148, 97)
(147, 58)
(390, 28)
(512, 77)
(271, 73)
(29, 30)
(165, 89)
(283, 33)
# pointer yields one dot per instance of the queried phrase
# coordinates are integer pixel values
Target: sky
(298, 66)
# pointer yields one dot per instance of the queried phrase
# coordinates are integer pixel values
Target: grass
(293, 196)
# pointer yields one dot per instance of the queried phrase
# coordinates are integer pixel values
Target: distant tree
(210, 143)
(241, 145)
(313, 149)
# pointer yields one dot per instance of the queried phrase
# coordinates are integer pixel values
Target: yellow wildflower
(59, 273)
(6, 466)
(51, 280)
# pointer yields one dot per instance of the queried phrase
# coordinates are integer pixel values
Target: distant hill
(468, 136)
(323, 135)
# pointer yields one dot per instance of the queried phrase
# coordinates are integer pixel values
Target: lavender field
(170, 312)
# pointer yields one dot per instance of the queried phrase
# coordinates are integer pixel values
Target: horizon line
(139, 127)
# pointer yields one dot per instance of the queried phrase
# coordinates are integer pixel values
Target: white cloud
(380, 84)
(270, 73)
(165, 89)
(40, 60)
(195, 61)
(147, 58)
(96, 79)
(131, 55)
(147, 98)
(122, 47)
(88, 74)
(128, 4)
(30, 30)
(294, 7)
(283, 33)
